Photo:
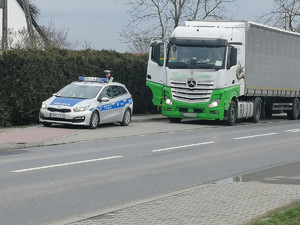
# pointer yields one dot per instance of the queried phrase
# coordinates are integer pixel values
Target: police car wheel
(46, 124)
(126, 118)
(94, 120)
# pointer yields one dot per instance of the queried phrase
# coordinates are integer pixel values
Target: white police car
(90, 101)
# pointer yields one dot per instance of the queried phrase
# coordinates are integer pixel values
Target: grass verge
(284, 216)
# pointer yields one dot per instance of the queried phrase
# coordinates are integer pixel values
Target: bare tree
(57, 37)
(34, 10)
(157, 18)
(285, 14)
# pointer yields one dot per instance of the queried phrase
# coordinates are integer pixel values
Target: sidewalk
(208, 204)
(22, 137)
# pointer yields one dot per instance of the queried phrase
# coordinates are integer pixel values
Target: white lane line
(254, 136)
(183, 146)
(293, 131)
(65, 164)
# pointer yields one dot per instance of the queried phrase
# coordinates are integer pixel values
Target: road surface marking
(294, 130)
(254, 136)
(183, 146)
(65, 164)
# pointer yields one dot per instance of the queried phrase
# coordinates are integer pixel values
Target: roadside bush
(28, 77)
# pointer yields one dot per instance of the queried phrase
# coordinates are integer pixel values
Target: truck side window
(232, 57)
(157, 53)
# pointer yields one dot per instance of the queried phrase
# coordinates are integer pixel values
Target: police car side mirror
(104, 99)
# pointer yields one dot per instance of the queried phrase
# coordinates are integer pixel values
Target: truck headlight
(81, 108)
(44, 106)
(168, 100)
(214, 103)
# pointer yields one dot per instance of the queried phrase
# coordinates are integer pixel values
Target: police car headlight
(44, 106)
(81, 108)
(214, 103)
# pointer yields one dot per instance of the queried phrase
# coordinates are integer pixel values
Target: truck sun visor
(198, 42)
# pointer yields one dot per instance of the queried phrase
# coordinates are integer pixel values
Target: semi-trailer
(225, 70)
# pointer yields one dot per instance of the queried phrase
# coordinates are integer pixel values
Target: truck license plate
(57, 115)
(190, 114)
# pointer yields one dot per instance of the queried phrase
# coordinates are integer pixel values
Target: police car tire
(94, 120)
(126, 118)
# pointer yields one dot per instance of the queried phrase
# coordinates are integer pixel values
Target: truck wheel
(232, 114)
(94, 120)
(294, 113)
(174, 120)
(126, 118)
(257, 110)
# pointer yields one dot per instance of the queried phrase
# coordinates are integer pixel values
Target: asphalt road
(45, 184)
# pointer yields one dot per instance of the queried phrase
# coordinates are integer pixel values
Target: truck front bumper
(198, 111)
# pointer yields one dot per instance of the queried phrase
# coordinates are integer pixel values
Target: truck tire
(232, 114)
(257, 110)
(294, 113)
(174, 120)
(94, 120)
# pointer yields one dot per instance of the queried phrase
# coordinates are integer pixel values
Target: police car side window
(122, 90)
(107, 92)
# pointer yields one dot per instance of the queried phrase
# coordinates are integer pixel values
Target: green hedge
(28, 77)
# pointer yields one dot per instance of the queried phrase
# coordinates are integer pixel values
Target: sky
(98, 23)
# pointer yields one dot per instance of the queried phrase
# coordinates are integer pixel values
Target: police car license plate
(57, 115)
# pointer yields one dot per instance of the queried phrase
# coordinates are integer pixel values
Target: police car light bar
(93, 79)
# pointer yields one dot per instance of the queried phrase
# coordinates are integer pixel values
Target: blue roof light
(93, 79)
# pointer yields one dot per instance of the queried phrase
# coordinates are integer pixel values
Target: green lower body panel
(157, 91)
(179, 109)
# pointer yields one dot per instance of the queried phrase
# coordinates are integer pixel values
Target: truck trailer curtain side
(272, 62)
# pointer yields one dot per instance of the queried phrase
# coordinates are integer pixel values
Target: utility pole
(4, 45)
(29, 23)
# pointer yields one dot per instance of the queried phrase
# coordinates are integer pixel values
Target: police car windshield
(79, 91)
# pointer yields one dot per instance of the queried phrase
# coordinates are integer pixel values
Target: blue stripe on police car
(115, 105)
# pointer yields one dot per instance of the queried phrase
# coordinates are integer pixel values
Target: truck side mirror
(232, 57)
(157, 53)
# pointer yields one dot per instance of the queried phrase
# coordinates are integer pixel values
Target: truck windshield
(196, 57)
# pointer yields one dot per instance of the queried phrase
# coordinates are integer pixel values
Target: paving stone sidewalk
(210, 204)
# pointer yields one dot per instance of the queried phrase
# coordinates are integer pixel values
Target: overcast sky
(98, 22)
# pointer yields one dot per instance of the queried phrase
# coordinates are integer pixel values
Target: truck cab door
(156, 71)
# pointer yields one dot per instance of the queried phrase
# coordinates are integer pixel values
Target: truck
(225, 70)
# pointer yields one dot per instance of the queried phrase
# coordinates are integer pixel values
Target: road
(50, 183)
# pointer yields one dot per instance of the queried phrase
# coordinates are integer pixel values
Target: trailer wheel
(174, 120)
(232, 114)
(294, 113)
(257, 110)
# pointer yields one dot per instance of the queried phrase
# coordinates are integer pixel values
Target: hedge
(28, 77)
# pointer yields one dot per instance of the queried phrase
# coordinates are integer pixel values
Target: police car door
(107, 109)
(120, 102)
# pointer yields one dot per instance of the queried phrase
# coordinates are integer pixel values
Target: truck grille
(201, 92)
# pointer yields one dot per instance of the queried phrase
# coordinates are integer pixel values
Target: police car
(90, 101)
